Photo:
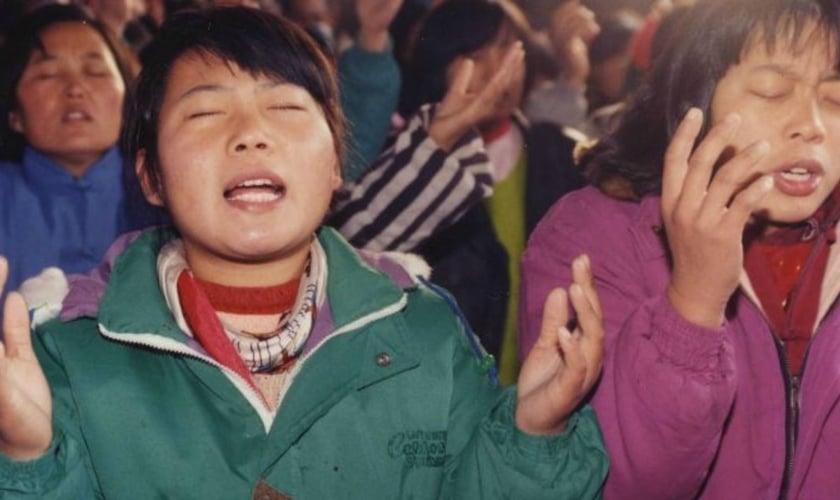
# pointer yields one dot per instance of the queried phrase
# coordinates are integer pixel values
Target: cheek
(37, 103)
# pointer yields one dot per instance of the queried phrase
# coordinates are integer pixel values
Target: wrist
(18, 454)
(707, 313)
(374, 41)
(446, 134)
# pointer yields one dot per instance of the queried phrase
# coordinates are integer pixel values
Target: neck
(224, 270)
(77, 165)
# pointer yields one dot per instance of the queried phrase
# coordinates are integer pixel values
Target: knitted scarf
(256, 354)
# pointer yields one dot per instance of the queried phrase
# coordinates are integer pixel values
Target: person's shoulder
(10, 173)
(588, 220)
(61, 338)
(590, 207)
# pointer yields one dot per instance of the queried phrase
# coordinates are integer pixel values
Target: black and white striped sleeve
(413, 190)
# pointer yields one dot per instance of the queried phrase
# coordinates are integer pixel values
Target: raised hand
(563, 365)
(572, 28)
(462, 110)
(375, 17)
(25, 400)
(705, 213)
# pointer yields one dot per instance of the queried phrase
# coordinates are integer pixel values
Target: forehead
(197, 68)
(71, 37)
(810, 45)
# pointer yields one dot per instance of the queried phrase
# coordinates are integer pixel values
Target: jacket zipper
(793, 382)
(791, 416)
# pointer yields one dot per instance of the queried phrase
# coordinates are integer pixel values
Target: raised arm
(370, 84)
(537, 443)
(434, 171)
(668, 382)
(25, 401)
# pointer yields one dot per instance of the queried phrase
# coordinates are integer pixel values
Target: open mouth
(799, 178)
(76, 116)
(255, 191)
(797, 174)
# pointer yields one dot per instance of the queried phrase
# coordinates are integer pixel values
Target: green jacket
(388, 403)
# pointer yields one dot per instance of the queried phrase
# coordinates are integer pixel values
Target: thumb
(16, 332)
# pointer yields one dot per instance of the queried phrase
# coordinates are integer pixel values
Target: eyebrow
(212, 87)
(47, 57)
(787, 73)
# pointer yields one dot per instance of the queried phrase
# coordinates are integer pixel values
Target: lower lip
(804, 186)
(255, 205)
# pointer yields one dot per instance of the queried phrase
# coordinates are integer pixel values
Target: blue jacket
(48, 218)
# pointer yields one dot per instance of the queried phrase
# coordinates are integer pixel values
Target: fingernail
(762, 147)
(693, 114)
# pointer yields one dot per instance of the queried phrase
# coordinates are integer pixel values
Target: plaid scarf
(240, 351)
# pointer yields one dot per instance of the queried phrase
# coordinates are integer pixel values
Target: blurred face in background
(70, 97)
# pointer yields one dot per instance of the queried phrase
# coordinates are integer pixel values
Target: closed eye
(286, 107)
(770, 96)
(202, 114)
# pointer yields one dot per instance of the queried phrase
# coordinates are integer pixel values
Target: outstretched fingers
(17, 336)
(677, 155)
(555, 316)
(590, 329)
(510, 66)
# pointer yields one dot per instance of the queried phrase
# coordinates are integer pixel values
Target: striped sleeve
(413, 190)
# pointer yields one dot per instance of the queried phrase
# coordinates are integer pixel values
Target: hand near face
(25, 401)
(705, 213)
(563, 365)
(462, 109)
(375, 17)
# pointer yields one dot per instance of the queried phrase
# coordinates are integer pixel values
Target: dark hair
(711, 37)
(453, 29)
(616, 32)
(256, 41)
(26, 38)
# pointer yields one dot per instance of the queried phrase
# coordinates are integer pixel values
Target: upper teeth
(73, 115)
(256, 182)
(798, 170)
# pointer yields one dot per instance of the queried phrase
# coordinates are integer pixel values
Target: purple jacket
(688, 411)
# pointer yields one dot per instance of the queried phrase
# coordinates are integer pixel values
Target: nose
(806, 122)
(249, 135)
(73, 86)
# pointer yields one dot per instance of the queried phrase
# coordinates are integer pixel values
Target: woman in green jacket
(248, 353)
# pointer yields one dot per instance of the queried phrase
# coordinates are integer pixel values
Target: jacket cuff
(33, 476)
(580, 441)
(692, 347)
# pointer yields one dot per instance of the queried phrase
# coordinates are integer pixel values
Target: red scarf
(201, 299)
(786, 269)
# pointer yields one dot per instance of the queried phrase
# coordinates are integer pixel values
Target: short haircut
(258, 42)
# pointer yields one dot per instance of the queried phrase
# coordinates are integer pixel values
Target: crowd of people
(401, 249)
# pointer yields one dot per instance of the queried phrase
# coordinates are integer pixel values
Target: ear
(151, 189)
(15, 122)
(336, 179)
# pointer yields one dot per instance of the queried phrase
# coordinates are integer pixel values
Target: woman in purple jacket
(710, 230)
